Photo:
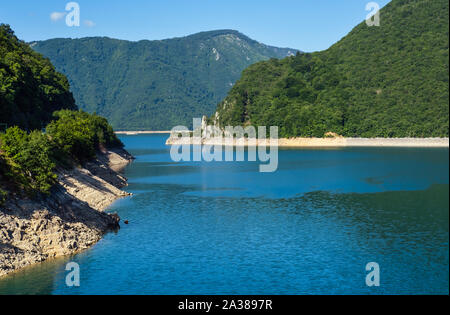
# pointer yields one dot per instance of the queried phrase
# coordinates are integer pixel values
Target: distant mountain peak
(155, 84)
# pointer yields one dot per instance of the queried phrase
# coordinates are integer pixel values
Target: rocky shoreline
(332, 142)
(68, 221)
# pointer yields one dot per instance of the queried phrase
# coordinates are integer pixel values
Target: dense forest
(33, 96)
(155, 85)
(28, 160)
(30, 88)
(385, 81)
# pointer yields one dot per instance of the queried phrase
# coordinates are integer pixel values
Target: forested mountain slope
(386, 81)
(30, 88)
(155, 85)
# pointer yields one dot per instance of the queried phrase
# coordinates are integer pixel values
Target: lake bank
(328, 142)
(68, 221)
(134, 133)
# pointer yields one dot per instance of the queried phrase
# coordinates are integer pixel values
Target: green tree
(31, 159)
(80, 134)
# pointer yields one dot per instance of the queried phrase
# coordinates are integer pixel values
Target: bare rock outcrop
(69, 220)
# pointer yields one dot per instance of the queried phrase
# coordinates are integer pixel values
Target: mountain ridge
(211, 33)
(155, 84)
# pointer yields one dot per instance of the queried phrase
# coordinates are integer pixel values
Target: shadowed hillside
(30, 88)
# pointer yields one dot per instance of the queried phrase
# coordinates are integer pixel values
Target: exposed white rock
(290, 54)
(215, 52)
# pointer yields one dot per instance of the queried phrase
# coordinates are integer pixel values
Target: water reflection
(38, 279)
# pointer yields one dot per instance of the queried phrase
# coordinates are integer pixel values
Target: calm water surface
(311, 227)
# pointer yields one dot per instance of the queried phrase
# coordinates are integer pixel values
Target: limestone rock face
(68, 221)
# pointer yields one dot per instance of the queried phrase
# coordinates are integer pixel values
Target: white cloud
(89, 23)
(56, 16)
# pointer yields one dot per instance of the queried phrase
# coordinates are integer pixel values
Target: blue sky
(308, 25)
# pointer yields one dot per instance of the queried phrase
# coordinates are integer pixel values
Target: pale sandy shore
(133, 133)
(326, 142)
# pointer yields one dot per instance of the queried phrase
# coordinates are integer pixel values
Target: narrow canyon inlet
(309, 228)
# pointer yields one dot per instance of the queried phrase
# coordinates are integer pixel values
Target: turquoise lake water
(309, 228)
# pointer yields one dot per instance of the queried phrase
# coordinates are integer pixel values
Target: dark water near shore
(311, 227)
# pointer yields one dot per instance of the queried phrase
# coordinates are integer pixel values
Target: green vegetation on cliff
(80, 134)
(30, 88)
(28, 160)
(386, 81)
(155, 85)
(33, 95)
